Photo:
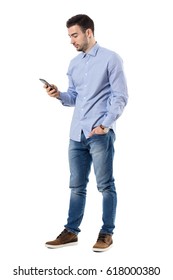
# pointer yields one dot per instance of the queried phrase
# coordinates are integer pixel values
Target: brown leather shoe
(66, 238)
(104, 242)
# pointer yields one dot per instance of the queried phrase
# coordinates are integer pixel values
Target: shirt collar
(93, 51)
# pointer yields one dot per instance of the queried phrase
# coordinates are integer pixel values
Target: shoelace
(62, 233)
(102, 237)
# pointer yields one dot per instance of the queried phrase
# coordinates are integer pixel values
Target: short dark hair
(82, 20)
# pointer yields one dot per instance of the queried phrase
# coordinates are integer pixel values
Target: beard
(82, 47)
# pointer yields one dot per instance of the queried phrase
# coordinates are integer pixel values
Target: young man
(97, 89)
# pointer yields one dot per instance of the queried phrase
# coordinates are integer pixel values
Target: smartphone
(46, 83)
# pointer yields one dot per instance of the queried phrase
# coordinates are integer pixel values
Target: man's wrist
(105, 129)
(58, 95)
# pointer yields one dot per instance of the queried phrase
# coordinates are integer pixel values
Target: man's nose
(72, 41)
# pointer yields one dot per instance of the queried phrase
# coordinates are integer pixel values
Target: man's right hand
(52, 91)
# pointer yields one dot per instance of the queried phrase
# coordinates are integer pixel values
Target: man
(97, 89)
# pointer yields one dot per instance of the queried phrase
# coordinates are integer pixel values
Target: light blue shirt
(97, 89)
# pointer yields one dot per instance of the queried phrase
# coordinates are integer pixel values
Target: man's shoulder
(109, 52)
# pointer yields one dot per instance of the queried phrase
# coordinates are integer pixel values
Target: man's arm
(119, 94)
(67, 98)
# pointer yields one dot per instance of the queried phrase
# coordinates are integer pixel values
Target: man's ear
(89, 33)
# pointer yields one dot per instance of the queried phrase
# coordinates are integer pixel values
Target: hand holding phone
(53, 91)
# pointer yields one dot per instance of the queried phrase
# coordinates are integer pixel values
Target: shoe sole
(101, 249)
(60, 246)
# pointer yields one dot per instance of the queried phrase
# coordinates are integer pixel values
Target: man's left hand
(96, 130)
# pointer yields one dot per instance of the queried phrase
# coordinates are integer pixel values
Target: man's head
(81, 32)
(83, 21)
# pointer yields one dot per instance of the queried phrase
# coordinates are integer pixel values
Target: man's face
(79, 39)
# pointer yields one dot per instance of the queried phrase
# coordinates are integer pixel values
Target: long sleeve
(119, 95)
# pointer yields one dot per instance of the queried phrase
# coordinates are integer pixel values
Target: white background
(34, 136)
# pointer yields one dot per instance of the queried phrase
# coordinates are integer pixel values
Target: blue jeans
(99, 150)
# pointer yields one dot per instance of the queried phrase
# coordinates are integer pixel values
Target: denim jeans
(99, 150)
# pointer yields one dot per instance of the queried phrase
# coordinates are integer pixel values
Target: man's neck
(91, 45)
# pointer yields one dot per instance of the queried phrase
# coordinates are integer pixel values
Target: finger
(53, 93)
(91, 133)
(49, 89)
(52, 90)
